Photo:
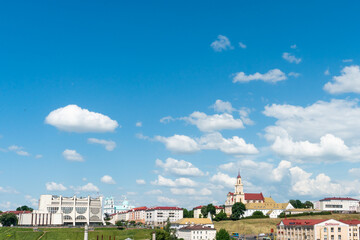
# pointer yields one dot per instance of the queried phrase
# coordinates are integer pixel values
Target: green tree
(8, 219)
(24, 208)
(308, 204)
(258, 214)
(210, 209)
(161, 235)
(204, 211)
(167, 226)
(220, 216)
(188, 214)
(238, 210)
(222, 235)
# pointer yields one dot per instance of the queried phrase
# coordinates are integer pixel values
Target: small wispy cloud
(327, 72)
(294, 74)
(72, 155)
(293, 46)
(108, 144)
(222, 43)
(347, 60)
(18, 150)
(291, 58)
(242, 45)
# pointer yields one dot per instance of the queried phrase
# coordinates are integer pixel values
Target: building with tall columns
(239, 196)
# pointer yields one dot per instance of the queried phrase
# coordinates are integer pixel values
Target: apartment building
(157, 216)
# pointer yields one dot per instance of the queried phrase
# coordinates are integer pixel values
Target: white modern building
(157, 216)
(339, 204)
(74, 210)
(40, 219)
(196, 232)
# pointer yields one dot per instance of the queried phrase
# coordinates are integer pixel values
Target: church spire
(239, 174)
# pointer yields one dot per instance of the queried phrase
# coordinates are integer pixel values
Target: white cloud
(179, 167)
(221, 43)
(347, 82)
(223, 179)
(179, 143)
(109, 145)
(355, 172)
(331, 147)
(337, 117)
(190, 191)
(167, 119)
(6, 205)
(216, 122)
(234, 145)
(165, 200)
(291, 58)
(53, 186)
(222, 106)
(86, 188)
(131, 193)
(211, 141)
(138, 124)
(37, 156)
(294, 74)
(242, 45)
(327, 72)
(8, 190)
(140, 181)
(72, 155)
(154, 192)
(293, 46)
(272, 76)
(281, 171)
(142, 136)
(18, 150)
(303, 184)
(72, 118)
(347, 60)
(33, 201)
(179, 182)
(107, 179)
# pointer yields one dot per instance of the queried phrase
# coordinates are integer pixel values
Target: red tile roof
(350, 222)
(139, 209)
(199, 207)
(230, 193)
(164, 208)
(254, 196)
(302, 222)
(339, 198)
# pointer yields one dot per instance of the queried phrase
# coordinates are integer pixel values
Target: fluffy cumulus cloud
(179, 182)
(73, 118)
(107, 179)
(222, 106)
(140, 181)
(179, 167)
(234, 145)
(216, 122)
(89, 187)
(72, 155)
(331, 147)
(303, 184)
(167, 201)
(271, 76)
(223, 179)
(281, 171)
(355, 171)
(347, 82)
(337, 117)
(212, 141)
(291, 58)
(53, 186)
(190, 191)
(179, 143)
(109, 145)
(221, 43)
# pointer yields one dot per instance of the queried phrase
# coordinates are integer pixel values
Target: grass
(264, 225)
(72, 234)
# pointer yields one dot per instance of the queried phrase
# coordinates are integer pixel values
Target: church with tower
(239, 196)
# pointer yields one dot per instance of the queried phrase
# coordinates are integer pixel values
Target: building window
(332, 237)
(325, 229)
(332, 229)
(52, 209)
(339, 237)
(66, 210)
(81, 210)
(339, 229)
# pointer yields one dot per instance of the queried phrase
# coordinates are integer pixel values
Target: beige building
(185, 222)
(318, 229)
(269, 208)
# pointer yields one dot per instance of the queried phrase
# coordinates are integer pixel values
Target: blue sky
(164, 101)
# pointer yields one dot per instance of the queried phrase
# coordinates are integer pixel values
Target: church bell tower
(239, 187)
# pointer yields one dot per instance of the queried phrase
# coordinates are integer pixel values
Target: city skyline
(164, 102)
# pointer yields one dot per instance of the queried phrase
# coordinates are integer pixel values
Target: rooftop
(196, 227)
(339, 198)
(194, 221)
(164, 208)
